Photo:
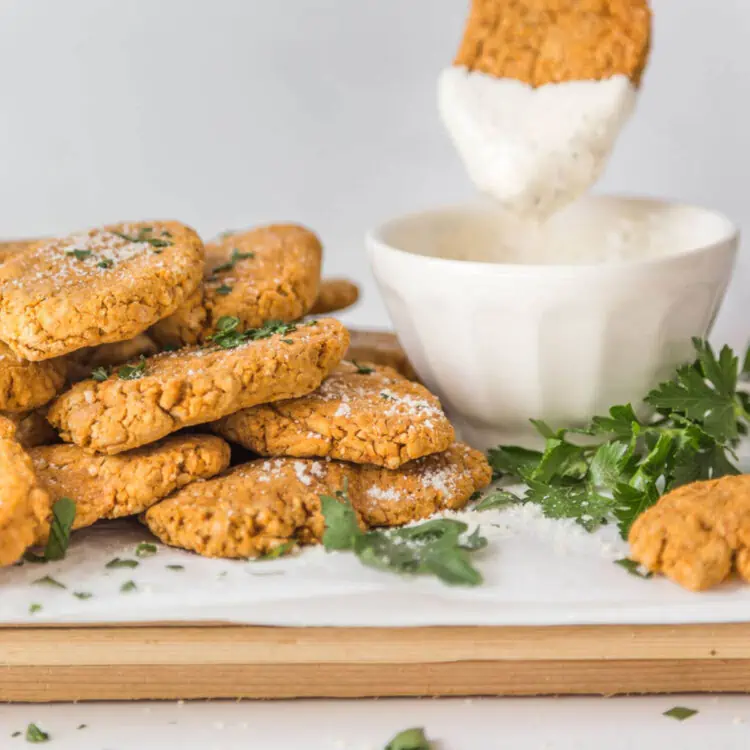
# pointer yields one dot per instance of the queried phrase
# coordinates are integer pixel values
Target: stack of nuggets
(122, 340)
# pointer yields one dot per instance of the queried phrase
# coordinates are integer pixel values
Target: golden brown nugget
(24, 505)
(380, 347)
(9, 248)
(27, 385)
(128, 484)
(32, 427)
(268, 273)
(187, 326)
(258, 506)
(96, 287)
(697, 533)
(361, 413)
(335, 295)
(83, 362)
(195, 385)
(551, 41)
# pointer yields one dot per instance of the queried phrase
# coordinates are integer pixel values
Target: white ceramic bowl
(502, 342)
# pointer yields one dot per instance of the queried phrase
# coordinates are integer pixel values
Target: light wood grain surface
(169, 662)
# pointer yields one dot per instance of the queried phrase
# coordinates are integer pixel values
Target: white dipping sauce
(533, 150)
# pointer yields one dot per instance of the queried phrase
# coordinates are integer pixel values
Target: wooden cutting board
(220, 661)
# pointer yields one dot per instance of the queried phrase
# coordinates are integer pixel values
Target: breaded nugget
(335, 295)
(268, 273)
(195, 385)
(96, 287)
(696, 533)
(9, 248)
(550, 41)
(84, 361)
(32, 427)
(124, 485)
(26, 385)
(260, 505)
(381, 347)
(24, 505)
(361, 413)
(186, 326)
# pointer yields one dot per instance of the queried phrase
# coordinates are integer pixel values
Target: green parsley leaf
(342, 526)
(16, 734)
(132, 372)
(229, 265)
(362, 369)
(630, 502)
(513, 461)
(144, 235)
(680, 713)
(410, 739)
(633, 568)
(175, 567)
(223, 290)
(278, 551)
(63, 515)
(127, 587)
(118, 562)
(34, 608)
(497, 499)
(560, 459)
(82, 595)
(146, 549)
(105, 263)
(49, 581)
(580, 502)
(228, 335)
(78, 254)
(34, 734)
(100, 374)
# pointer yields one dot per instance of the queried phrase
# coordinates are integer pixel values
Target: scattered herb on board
(229, 336)
(82, 595)
(175, 567)
(279, 551)
(34, 608)
(438, 547)
(34, 734)
(132, 372)
(82, 726)
(362, 369)
(16, 734)
(78, 254)
(100, 374)
(229, 265)
(410, 739)
(49, 581)
(127, 587)
(146, 549)
(63, 515)
(680, 713)
(699, 417)
(119, 562)
(634, 568)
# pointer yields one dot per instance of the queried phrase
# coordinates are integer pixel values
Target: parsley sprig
(63, 515)
(438, 547)
(700, 415)
(230, 264)
(229, 336)
(145, 234)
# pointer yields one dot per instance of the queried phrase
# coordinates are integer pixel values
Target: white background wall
(227, 112)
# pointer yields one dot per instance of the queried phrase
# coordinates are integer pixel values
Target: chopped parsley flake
(223, 290)
(144, 235)
(105, 263)
(279, 551)
(82, 594)
(175, 567)
(146, 549)
(34, 608)
(132, 372)
(410, 739)
(127, 587)
(633, 568)
(78, 254)
(229, 265)
(34, 734)
(118, 562)
(49, 581)
(228, 335)
(362, 369)
(680, 713)
(100, 374)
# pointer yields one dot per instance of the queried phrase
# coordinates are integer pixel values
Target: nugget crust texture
(124, 485)
(186, 326)
(335, 295)
(24, 505)
(361, 413)
(551, 41)
(196, 385)
(27, 385)
(380, 347)
(32, 427)
(697, 533)
(9, 248)
(96, 287)
(263, 504)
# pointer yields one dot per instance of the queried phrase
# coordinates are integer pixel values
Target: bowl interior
(592, 231)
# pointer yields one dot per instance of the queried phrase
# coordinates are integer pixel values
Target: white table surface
(456, 724)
